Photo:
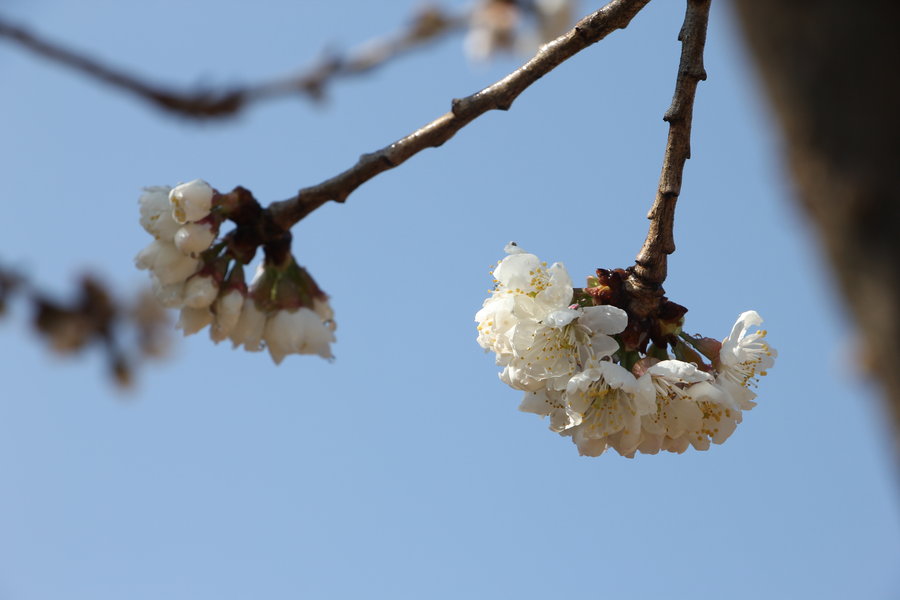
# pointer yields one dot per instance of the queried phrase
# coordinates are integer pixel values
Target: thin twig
(499, 96)
(429, 25)
(651, 262)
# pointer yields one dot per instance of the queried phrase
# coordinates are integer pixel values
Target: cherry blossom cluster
(586, 366)
(282, 309)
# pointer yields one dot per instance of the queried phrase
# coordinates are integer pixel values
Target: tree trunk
(830, 69)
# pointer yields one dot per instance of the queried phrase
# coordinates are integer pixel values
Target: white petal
(604, 319)
(679, 371)
(561, 318)
(603, 345)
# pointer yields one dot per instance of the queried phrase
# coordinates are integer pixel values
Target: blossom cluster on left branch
(201, 272)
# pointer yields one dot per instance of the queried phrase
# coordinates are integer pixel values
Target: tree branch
(427, 26)
(499, 96)
(651, 262)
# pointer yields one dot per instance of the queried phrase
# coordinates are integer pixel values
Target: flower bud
(249, 328)
(156, 213)
(193, 320)
(200, 291)
(194, 238)
(297, 332)
(227, 309)
(191, 201)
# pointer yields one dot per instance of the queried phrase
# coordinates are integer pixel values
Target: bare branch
(499, 96)
(428, 25)
(651, 267)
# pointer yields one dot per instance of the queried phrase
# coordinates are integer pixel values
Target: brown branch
(428, 26)
(499, 96)
(651, 262)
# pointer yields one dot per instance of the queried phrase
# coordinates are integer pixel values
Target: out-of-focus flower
(492, 27)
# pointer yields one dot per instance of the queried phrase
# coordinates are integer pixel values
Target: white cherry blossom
(540, 339)
(605, 404)
(743, 358)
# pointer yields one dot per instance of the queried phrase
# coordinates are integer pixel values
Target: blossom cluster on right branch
(607, 378)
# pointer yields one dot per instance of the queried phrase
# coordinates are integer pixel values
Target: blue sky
(403, 469)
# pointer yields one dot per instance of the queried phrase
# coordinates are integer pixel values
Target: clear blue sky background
(403, 469)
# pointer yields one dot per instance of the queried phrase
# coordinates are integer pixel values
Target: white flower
(743, 358)
(193, 320)
(677, 412)
(692, 410)
(540, 339)
(156, 213)
(605, 404)
(300, 331)
(200, 291)
(249, 328)
(227, 309)
(191, 201)
(194, 238)
(167, 264)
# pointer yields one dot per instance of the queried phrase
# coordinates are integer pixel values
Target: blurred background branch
(499, 96)
(428, 25)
